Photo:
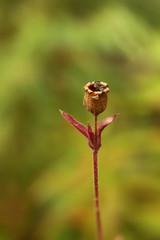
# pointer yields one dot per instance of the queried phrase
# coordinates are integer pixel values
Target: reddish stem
(95, 161)
(95, 132)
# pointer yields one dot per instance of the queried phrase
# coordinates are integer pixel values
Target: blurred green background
(49, 49)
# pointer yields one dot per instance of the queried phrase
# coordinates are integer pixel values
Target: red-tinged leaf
(90, 136)
(106, 122)
(79, 126)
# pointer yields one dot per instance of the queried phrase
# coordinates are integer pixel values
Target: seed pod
(95, 98)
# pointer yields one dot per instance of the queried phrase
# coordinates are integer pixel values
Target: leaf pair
(87, 132)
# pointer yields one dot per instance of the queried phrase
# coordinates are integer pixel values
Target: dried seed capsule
(95, 99)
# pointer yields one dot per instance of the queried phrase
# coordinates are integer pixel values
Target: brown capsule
(95, 98)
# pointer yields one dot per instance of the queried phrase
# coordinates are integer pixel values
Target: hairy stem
(95, 162)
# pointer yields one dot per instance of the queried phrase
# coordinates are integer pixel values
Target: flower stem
(95, 131)
(95, 162)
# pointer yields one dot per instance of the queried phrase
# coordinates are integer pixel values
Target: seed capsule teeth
(90, 91)
(97, 93)
(106, 90)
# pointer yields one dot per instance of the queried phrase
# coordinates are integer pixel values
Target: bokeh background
(49, 49)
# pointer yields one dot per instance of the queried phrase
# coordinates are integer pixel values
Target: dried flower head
(95, 99)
